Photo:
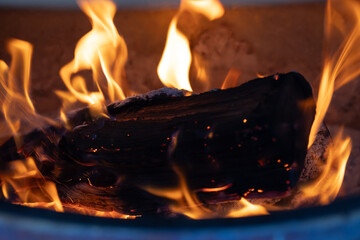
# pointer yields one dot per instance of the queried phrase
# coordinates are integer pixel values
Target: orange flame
(92, 212)
(231, 79)
(174, 66)
(328, 184)
(104, 52)
(101, 50)
(343, 65)
(23, 176)
(16, 105)
(340, 67)
(187, 203)
(30, 186)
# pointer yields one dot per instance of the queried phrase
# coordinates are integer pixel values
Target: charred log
(251, 139)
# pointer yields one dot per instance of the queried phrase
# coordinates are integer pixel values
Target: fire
(89, 211)
(30, 186)
(186, 202)
(17, 107)
(231, 79)
(328, 184)
(174, 66)
(340, 66)
(104, 52)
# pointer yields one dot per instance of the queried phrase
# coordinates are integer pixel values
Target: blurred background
(137, 3)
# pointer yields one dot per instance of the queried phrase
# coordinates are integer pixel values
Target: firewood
(252, 139)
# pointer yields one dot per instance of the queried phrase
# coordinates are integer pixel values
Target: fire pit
(337, 220)
(82, 161)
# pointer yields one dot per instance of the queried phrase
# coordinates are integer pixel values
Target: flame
(174, 66)
(30, 186)
(231, 79)
(23, 177)
(104, 52)
(328, 184)
(340, 66)
(16, 105)
(92, 212)
(245, 209)
(186, 202)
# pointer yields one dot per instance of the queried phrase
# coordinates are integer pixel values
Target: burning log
(245, 141)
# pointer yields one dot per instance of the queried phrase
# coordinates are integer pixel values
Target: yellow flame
(16, 105)
(101, 50)
(212, 9)
(245, 209)
(173, 69)
(174, 66)
(30, 186)
(15, 100)
(340, 66)
(104, 52)
(186, 202)
(328, 184)
(21, 52)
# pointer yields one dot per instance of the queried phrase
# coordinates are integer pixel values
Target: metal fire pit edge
(339, 220)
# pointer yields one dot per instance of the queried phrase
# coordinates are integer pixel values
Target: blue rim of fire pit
(339, 220)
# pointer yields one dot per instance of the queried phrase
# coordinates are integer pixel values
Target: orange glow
(173, 69)
(187, 203)
(244, 208)
(23, 177)
(174, 66)
(216, 189)
(104, 52)
(327, 185)
(89, 211)
(231, 79)
(342, 64)
(212, 9)
(30, 186)
(16, 105)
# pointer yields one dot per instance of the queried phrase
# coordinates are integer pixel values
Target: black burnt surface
(251, 139)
